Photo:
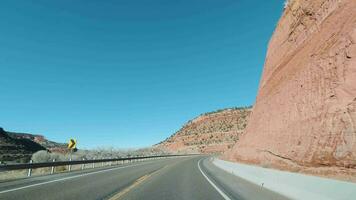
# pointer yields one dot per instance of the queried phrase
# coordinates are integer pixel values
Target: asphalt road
(187, 178)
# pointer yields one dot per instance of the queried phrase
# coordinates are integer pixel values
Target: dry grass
(9, 175)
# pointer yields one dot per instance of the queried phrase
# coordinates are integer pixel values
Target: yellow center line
(135, 184)
(139, 181)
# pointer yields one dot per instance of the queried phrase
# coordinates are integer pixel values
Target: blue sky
(127, 73)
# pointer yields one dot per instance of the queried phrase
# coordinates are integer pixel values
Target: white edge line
(67, 178)
(215, 187)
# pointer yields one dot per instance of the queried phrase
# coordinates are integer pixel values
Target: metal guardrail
(30, 166)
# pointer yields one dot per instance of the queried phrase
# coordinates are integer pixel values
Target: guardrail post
(93, 166)
(52, 168)
(83, 164)
(29, 172)
(70, 166)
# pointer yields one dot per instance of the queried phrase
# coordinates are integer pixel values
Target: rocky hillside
(304, 118)
(39, 139)
(19, 147)
(213, 132)
(13, 149)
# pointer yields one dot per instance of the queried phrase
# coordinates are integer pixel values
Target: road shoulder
(236, 187)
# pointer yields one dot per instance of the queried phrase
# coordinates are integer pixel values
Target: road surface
(185, 178)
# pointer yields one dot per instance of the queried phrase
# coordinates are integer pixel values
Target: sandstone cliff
(213, 132)
(304, 118)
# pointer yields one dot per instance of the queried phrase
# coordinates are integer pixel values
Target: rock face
(213, 132)
(305, 111)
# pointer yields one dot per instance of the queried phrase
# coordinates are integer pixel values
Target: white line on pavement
(67, 178)
(216, 187)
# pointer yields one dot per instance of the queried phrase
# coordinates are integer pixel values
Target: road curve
(186, 178)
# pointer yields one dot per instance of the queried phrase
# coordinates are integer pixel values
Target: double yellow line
(138, 182)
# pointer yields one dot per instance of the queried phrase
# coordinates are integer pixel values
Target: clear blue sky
(127, 73)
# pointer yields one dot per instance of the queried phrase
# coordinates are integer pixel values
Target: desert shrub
(45, 156)
(99, 153)
(41, 156)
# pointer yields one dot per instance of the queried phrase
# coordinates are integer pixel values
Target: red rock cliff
(305, 111)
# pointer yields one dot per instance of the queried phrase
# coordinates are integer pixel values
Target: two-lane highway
(182, 180)
(186, 178)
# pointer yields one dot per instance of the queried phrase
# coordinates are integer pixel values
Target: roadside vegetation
(225, 109)
(99, 153)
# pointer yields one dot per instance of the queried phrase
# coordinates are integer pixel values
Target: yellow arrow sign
(72, 144)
